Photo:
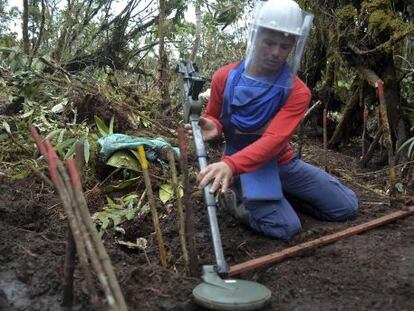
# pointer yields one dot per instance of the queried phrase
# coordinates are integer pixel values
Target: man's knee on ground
(344, 210)
(284, 231)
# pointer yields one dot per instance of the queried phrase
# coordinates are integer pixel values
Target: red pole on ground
(301, 248)
(39, 142)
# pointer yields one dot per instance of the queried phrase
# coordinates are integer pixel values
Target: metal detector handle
(210, 201)
(191, 87)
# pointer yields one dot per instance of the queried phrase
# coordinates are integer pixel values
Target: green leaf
(3, 137)
(111, 126)
(7, 127)
(146, 123)
(71, 151)
(116, 217)
(68, 142)
(410, 152)
(124, 159)
(12, 56)
(86, 150)
(111, 202)
(400, 187)
(180, 191)
(102, 128)
(21, 175)
(52, 134)
(116, 213)
(27, 114)
(45, 121)
(37, 65)
(410, 142)
(130, 213)
(130, 197)
(61, 136)
(145, 209)
(166, 193)
(124, 184)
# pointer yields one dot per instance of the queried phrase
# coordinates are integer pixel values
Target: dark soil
(370, 271)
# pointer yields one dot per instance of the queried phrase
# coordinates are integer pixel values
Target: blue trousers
(305, 187)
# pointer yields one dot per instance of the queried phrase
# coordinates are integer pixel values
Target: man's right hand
(208, 128)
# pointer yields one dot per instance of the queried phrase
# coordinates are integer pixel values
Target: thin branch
(41, 31)
(392, 41)
(314, 106)
(142, 49)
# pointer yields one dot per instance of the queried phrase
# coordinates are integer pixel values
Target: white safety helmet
(286, 17)
(281, 15)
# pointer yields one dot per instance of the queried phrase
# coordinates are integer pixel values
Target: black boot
(228, 202)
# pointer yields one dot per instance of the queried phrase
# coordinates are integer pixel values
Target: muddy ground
(370, 271)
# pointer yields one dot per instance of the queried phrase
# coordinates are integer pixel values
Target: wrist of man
(231, 164)
(218, 124)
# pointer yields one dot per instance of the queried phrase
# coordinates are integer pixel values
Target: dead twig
(382, 170)
(28, 252)
(365, 187)
(42, 176)
(368, 155)
(311, 109)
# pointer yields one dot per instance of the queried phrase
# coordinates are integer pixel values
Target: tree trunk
(41, 30)
(392, 96)
(25, 27)
(384, 122)
(65, 30)
(348, 114)
(163, 81)
(368, 155)
(198, 32)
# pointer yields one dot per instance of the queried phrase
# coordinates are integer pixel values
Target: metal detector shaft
(222, 267)
(191, 88)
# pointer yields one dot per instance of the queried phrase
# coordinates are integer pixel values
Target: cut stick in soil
(66, 197)
(98, 254)
(181, 220)
(144, 164)
(189, 222)
(69, 269)
(325, 139)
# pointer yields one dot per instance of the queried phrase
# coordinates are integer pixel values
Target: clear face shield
(277, 38)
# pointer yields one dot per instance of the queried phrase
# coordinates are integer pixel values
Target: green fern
(409, 143)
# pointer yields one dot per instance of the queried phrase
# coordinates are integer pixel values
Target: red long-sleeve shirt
(278, 132)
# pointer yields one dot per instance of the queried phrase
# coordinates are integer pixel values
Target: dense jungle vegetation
(79, 70)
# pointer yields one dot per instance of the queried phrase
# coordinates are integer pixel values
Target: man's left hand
(220, 173)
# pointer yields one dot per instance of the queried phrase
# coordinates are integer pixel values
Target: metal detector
(216, 292)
